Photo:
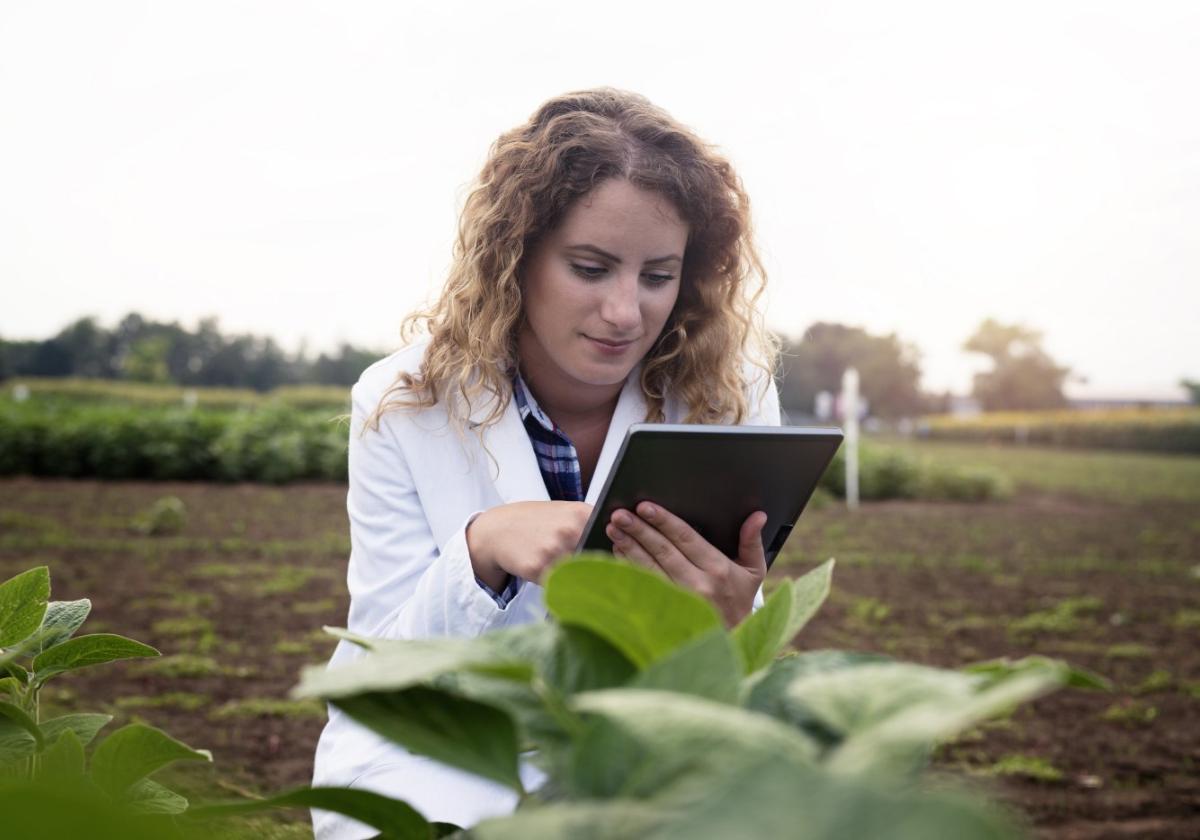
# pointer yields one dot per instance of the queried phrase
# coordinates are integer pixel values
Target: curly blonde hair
(532, 176)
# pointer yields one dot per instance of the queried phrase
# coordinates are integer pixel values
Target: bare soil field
(1081, 569)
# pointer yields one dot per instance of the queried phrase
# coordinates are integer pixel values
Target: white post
(850, 420)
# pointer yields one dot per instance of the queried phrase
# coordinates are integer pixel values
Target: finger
(626, 547)
(677, 566)
(751, 554)
(685, 539)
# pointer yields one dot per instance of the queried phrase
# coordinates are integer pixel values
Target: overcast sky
(296, 168)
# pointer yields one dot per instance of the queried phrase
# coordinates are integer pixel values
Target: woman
(604, 275)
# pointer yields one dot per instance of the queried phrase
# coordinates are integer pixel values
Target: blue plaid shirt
(557, 459)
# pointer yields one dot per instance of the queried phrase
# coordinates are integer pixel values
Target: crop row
(1161, 430)
(275, 444)
(107, 391)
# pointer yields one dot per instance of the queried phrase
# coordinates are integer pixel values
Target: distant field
(1095, 559)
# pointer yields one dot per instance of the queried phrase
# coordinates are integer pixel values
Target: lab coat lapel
(631, 408)
(514, 471)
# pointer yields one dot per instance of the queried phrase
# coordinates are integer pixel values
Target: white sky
(296, 168)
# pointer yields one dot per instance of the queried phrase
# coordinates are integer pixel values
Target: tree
(889, 370)
(1193, 389)
(1023, 376)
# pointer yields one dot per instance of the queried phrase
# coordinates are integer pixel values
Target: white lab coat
(413, 490)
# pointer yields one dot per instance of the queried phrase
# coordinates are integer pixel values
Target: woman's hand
(524, 539)
(658, 539)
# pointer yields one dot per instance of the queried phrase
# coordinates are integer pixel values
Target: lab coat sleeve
(403, 585)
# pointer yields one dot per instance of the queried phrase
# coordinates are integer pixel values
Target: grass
(1065, 617)
(1131, 713)
(251, 707)
(1112, 476)
(1026, 766)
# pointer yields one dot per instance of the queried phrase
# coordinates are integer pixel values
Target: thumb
(750, 546)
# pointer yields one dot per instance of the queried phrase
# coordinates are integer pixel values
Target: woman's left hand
(658, 539)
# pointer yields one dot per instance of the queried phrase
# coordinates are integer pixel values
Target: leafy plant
(48, 786)
(648, 718)
(165, 517)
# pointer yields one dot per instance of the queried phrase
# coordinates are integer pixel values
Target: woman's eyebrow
(602, 253)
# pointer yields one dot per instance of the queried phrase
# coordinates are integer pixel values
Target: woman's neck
(568, 403)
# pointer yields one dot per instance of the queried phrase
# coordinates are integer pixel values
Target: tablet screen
(713, 477)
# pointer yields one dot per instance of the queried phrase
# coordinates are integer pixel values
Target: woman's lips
(609, 348)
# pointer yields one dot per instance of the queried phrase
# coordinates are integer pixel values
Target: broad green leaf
(656, 741)
(62, 619)
(23, 604)
(888, 715)
(583, 661)
(10, 687)
(62, 762)
(614, 820)
(83, 651)
(393, 817)
(778, 798)
(536, 725)
(74, 812)
(768, 632)
(1073, 676)
(767, 691)
(637, 611)
(707, 666)
(134, 752)
(473, 736)
(21, 718)
(15, 742)
(146, 796)
(84, 726)
(396, 665)
(364, 642)
(18, 673)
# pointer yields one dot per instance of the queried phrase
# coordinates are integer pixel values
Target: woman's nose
(620, 306)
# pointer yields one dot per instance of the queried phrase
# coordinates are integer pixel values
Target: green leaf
(18, 673)
(9, 686)
(614, 820)
(62, 619)
(83, 651)
(62, 762)
(393, 817)
(473, 736)
(1073, 676)
(134, 752)
(396, 665)
(778, 798)
(15, 741)
(637, 611)
(707, 666)
(341, 633)
(768, 690)
(147, 796)
(583, 661)
(84, 726)
(653, 741)
(768, 632)
(889, 715)
(72, 812)
(22, 719)
(23, 604)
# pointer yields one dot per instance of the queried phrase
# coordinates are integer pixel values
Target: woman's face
(597, 291)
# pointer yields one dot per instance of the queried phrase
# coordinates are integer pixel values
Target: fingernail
(648, 510)
(622, 518)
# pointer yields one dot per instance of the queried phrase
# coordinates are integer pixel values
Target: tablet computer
(713, 477)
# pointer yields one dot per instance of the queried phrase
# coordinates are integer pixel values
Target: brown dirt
(952, 580)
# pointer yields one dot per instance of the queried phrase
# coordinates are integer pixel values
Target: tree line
(1022, 375)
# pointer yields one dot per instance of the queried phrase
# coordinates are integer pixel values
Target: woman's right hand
(524, 539)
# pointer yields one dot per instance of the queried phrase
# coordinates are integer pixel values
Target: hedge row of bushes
(887, 474)
(273, 444)
(111, 392)
(1161, 430)
(278, 445)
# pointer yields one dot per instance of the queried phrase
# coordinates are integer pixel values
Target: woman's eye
(588, 272)
(660, 279)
